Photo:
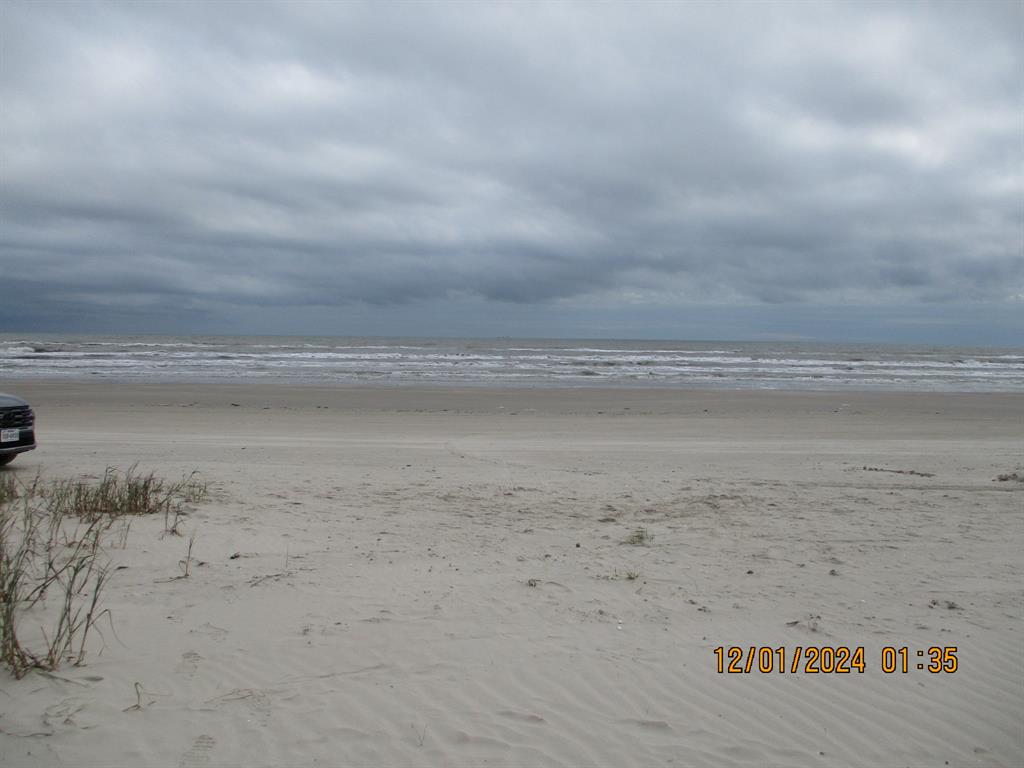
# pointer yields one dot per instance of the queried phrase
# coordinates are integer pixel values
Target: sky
(819, 171)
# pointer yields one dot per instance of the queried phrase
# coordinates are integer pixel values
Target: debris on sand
(900, 471)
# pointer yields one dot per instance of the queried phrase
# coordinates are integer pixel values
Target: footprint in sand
(62, 714)
(208, 629)
(199, 753)
(258, 701)
(189, 663)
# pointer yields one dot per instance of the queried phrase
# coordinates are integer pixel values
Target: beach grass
(119, 494)
(640, 537)
(53, 563)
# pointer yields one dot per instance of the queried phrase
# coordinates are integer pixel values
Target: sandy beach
(483, 576)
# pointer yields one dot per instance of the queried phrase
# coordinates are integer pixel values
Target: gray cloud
(181, 161)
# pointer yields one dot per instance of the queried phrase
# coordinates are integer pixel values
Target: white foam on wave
(16, 351)
(748, 365)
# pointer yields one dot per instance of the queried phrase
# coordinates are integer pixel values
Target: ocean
(511, 362)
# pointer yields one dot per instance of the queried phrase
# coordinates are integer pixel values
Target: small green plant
(640, 537)
(632, 575)
(192, 490)
(186, 564)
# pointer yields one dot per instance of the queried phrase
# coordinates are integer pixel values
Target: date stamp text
(832, 659)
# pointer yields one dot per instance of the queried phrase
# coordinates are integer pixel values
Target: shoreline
(580, 384)
(398, 390)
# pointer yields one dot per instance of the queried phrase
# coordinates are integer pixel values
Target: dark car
(17, 428)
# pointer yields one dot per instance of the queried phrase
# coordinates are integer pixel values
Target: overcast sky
(690, 170)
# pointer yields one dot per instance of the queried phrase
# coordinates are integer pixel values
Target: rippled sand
(443, 577)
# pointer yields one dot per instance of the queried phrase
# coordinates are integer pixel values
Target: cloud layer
(172, 159)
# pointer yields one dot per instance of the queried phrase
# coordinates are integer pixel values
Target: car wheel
(7, 459)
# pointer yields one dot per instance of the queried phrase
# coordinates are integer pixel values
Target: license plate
(10, 435)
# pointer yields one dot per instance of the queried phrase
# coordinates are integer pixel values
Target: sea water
(516, 362)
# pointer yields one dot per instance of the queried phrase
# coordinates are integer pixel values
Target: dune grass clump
(119, 494)
(53, 568)
(640, 537)
(45, 556)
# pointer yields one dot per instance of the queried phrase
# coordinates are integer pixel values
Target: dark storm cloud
(204, 158)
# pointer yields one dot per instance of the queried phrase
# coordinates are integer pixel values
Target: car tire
(7, 459)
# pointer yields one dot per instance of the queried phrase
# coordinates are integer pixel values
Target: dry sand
(439, 577)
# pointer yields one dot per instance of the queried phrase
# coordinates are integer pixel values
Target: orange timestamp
(827, 659)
